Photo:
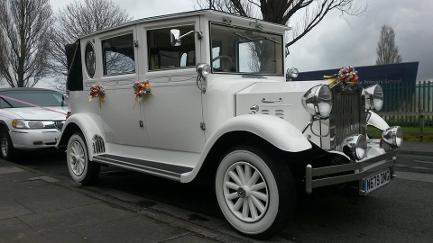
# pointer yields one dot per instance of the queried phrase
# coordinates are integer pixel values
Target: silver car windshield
(245, 51)
(31, 98)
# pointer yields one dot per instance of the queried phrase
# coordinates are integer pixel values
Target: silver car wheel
(246, 192)
(76, 156)
(4, 146)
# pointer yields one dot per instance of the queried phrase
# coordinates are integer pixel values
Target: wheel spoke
(260, 195)
(231, 185)
(235, 178)
(245, 209)
(76, 148)
(232, 196)
(247, 173)
(257, 187)
(238, 204)
(73, 151)
(253, 178)
(253, 209)
(240, 174)
(259, 205)
(80, 167)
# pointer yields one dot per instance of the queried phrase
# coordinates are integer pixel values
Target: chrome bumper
(329, 175)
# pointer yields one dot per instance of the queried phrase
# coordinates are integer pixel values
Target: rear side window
(118, 55)
(90, 59)
(163, 55)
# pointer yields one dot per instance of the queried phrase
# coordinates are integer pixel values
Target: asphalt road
(399, 212)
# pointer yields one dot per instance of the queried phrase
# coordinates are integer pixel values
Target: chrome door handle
(271, 101)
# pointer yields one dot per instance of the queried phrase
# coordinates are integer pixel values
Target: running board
(173, 172)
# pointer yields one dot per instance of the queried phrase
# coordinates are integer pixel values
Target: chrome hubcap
(76, 158)
(4, 144)
(246, 192)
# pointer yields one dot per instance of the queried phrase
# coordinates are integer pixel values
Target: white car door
(123, 118)
(173, 112)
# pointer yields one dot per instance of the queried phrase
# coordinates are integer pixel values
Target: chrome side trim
(327, 175)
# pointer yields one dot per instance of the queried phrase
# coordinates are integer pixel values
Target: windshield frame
(249, 29)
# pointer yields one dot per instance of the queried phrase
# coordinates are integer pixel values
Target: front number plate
(374, 182)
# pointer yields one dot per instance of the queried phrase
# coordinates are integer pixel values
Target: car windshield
(245, 51)
(31, 98)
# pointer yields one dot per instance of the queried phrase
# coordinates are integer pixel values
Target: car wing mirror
(175, 38)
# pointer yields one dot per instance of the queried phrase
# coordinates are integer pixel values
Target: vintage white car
(30, 119)
(203, 95)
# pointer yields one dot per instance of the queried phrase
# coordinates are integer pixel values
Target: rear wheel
(6, 147)
(255, 192)
(81, 170)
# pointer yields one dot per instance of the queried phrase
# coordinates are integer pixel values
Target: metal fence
(409, 105)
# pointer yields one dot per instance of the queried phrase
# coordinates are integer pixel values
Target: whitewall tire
(81, 170)
(255, 192)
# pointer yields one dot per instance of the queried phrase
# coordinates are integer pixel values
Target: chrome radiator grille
(348, 116)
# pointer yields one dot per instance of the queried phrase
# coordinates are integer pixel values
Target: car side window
(118, 55)
(90, 59)
(164, 55)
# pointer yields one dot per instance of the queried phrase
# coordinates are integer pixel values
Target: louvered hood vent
(98, 144)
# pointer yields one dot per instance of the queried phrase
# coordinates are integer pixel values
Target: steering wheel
(224, 63)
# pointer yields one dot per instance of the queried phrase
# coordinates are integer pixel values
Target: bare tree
(77, 19)
(25, 31)
(387, 51)
(308, 13)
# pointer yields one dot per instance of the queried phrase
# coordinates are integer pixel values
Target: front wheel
(255, 191)
(81, 170)
(7, 150)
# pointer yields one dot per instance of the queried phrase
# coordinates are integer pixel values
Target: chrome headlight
(355, 147)
(393, 136)
(373, 97)
(318, 101)
(24, 124)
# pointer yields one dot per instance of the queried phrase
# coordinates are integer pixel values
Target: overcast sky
(338, 40)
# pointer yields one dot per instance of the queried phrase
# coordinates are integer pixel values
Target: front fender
(278, 132)
(88, 124)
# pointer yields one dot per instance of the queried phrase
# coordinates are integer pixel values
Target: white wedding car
(219, 109)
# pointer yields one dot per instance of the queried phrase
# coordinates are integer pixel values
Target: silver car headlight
(373, 97)
(25, 124)
(355, 147)
(393, 136)
(318, 101)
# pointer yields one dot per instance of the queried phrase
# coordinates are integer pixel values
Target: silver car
(30, 119)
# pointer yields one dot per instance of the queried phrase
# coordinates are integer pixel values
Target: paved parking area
(37, 208)
(124, 206)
